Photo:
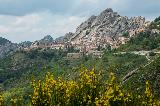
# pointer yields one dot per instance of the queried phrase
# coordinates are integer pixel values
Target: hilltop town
(107, 30)
(109, 59)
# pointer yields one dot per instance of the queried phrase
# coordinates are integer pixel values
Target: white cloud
(113, 2)
(36, 25)
(89, 1)
(32, 19)
(3, 29)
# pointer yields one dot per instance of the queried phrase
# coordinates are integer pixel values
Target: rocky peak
(91, 19)
(25, 44)
(65, 38)
(87, 23)
(47, 38)
(4, 41)
(106, 26)
(7, 47)
(108, 10)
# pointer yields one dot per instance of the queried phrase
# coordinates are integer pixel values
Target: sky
(30, 20)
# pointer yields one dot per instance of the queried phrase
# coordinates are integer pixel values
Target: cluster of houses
(52, 45)
(88, 45)
(83, 49)
(92, 46)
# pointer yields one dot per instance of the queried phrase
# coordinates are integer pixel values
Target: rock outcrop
(43, 43)
(46, 39)
(65, 38)
(107, 29)
(7, 47)
(25, 44)
(108, 26)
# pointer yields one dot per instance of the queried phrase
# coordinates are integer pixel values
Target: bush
(1, 100)
(88, 89)
(152, 54)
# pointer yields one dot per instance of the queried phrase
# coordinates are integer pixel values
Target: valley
(102, 45)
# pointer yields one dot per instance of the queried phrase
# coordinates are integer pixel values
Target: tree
(126, 34)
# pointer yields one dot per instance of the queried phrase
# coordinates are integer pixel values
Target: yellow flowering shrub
(1, 100)
(87, 90)
(42, 91)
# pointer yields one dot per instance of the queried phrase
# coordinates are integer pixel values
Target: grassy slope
(17, 70)
(151, 72)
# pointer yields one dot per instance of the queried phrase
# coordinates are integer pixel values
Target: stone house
(57, 46)
(155, 31)
(72, 56)
(123, 40)
(132, 32)
(96, 54)
(37, 45)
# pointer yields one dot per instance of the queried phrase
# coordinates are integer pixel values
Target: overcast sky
(31, 20)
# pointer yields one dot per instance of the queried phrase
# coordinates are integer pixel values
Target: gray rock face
(65, 38)
(43, 42)
(25, 44)
(46, 39)
(7, 47)
(108, 23)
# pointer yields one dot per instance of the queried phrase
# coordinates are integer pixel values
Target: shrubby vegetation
(125, 34)
(88, 89)
(142, 41)
(155, 24)
(151, 73)
(3, 41)
(19, 69)
(145, 40)
(68, 83)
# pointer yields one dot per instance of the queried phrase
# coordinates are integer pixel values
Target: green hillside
(149, 72)
(147, 40)
(19, 69)
(3, 41)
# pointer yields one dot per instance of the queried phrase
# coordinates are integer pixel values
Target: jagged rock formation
(65, 38)
(25, 44)
(46, 39)
(108, 27)
(7, 47)
(42, 43)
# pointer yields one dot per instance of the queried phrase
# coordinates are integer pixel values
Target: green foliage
(152, 54)
(88, 89)
(142, 41)
(121, 64)
(71, 49)
(155, 24)
(151, 73)
(18, 69)
(28, 65)
(157, 19)
(125, 34)
(3, 41)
